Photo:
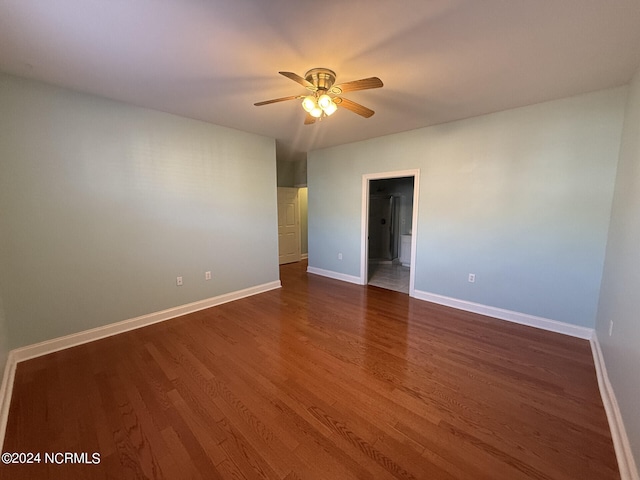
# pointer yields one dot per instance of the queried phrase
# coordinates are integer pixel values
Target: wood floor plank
(320, 379)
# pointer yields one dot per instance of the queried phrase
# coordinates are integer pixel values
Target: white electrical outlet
(340, 256)
(610, 327)
(472, 278)
(207, 275)
(179, 281)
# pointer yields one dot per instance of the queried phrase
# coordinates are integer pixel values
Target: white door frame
(364, 228)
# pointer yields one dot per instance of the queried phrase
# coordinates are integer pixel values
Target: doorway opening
(389, 220)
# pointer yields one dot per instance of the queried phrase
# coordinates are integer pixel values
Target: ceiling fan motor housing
(321, 78)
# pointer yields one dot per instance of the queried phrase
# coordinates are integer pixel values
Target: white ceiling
(440, 60)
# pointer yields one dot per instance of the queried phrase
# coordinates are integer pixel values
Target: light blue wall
(619, 297)
(105, 204)
(4, 258)
(521, 198)
(4, 340)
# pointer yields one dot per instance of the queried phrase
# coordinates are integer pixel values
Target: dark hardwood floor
(318, 380)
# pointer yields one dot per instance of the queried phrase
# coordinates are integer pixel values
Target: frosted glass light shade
(331, 108)
(309, 103)
(316, 112)
(324, 101)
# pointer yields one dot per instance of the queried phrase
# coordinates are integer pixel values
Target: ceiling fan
(326, 96)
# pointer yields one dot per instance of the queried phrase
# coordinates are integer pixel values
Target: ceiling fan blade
(276, 100)
(309, 119)
(362, 84)
(298, 79)
(354, 107)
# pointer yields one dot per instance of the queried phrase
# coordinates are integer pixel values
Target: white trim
(304, 256)
(335, 275)
(364, 219)
(49, 346)
(626, 463)
(509, 315)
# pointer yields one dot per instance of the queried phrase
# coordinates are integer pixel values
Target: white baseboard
(509, 315)
(304, 256)
(335, 275)
(626, 463)
(49, 346)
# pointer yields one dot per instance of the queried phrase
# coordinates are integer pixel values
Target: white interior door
(288, 225)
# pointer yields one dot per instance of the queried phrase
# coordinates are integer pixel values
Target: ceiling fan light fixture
(325, 98)
(309, 103)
